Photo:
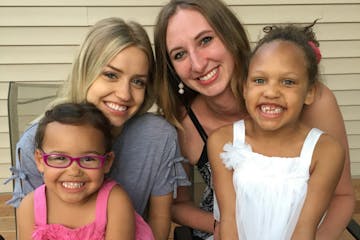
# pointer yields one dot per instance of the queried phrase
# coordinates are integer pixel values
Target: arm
(185, 212)
(25, 217)
(121, 217)
(223, 183)
(325, 171)
(325, 114)
(159, 216)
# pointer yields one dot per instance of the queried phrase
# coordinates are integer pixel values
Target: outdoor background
(38, 39)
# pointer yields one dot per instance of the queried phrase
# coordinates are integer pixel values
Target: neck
(115, 131)
(220, 110)
(277, 136)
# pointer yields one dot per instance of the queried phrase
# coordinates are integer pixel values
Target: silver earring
(181, 88)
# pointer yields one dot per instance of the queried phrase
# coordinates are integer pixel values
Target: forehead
(131, 59)
(185, 24)
(279, 49)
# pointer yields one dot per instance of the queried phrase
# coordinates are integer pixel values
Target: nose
(271, 91)
(198, 62)
(123, 90)
(74, 169)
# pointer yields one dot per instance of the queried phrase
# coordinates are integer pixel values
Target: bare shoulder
(25, 217)
(217, 140)
(221, 135)
(120, 215)
(27, 204)
(329, 151)
(117, 195)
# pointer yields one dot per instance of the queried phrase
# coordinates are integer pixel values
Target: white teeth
(116, 107)
(271, 109)
(208, 76)
(72, 185)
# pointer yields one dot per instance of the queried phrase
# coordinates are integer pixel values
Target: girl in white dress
(274, 176)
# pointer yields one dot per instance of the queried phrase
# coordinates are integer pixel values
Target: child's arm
(159, 216)
(223, 182)
(120, 216)
(325, 172)
(25, 217)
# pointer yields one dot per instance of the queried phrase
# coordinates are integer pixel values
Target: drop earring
(181, 88)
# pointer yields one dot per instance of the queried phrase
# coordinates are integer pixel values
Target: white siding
(38, 45)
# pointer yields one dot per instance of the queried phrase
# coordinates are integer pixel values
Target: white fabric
(270, 191)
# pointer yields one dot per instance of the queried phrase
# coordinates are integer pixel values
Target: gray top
(147, 161)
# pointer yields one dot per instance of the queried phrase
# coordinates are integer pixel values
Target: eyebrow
(114, 68)
(199, 35)
(121, 71)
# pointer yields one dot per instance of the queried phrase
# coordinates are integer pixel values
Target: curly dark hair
(75, 114)
(302, 36)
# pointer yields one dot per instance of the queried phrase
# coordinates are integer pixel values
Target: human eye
(259, 81)
(139, 82)
(179, 55)
(57, 158)
(90, 161)
(205, 40)
(110, 75)
(88, 158)
(288, 82)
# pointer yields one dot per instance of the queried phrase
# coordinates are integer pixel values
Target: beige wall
(38, 39)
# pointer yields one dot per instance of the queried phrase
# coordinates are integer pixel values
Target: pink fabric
(93, 231)
(316, 50)
(143, 230)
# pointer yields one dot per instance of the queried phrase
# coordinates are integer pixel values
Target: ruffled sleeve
(233, 156)
(179, 175)
(25, 173)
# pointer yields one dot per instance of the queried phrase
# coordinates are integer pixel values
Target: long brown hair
(227, 27)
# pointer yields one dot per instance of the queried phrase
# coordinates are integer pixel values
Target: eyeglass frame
(102, 159)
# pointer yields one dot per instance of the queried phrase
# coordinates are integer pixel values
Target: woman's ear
(310, 96)
(109, 161)
(40, 164)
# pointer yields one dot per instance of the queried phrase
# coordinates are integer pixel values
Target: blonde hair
(102, 43)
(230, 31)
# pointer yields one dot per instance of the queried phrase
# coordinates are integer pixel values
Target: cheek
(182, 69)
(51, 174)
(91, 94)
(139, 96)
(96, 90)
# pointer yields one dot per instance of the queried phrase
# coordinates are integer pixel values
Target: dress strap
(40, 206)
(102, 201)
(239, 133)
(197, 124)
(310, 143)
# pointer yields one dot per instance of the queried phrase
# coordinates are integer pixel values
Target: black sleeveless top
(203, 166)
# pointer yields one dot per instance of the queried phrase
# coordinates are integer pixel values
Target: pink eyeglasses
(58, 160)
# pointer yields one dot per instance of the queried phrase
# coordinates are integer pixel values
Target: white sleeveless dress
(270, 191)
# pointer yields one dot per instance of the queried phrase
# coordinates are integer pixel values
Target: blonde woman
(114, 70)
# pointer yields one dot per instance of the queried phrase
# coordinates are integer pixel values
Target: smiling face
(119, 91)
(198, 55)
(72, 184)
(277, 86)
